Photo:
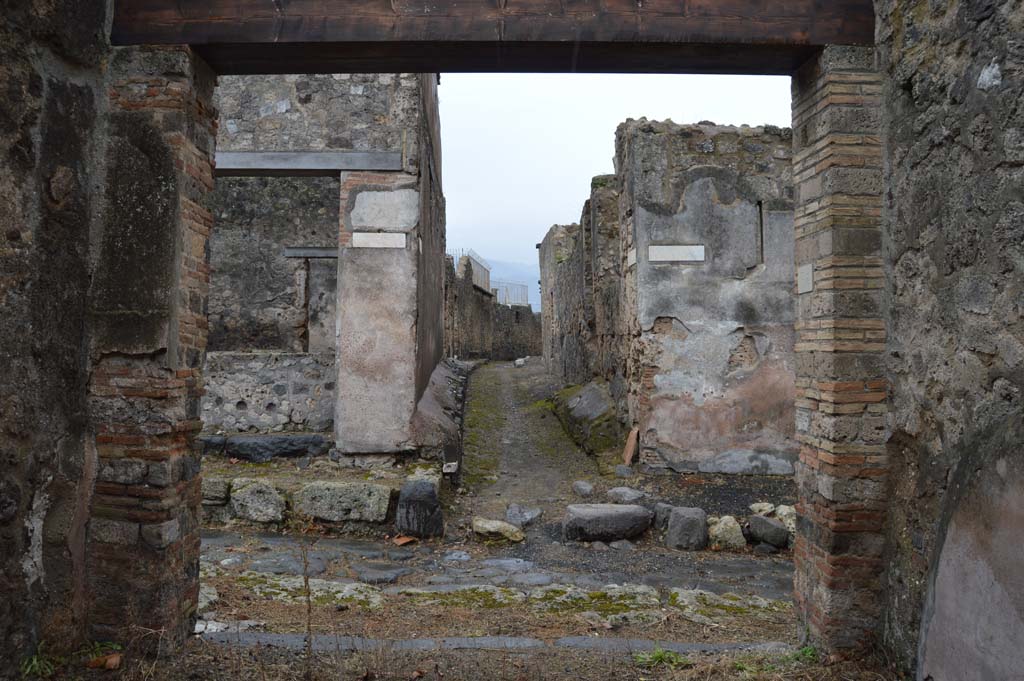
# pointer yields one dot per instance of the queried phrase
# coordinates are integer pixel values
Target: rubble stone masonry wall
(263, 392)
(953, 247)
(566, 334)
(260, 298)
(709, 363)
(676, 290)
(477, 327)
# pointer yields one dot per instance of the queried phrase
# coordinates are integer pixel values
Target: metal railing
(481, 268)
(510, 292)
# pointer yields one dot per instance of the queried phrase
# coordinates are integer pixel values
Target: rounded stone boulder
(727, 533)
(582, 488)
(625, 495)
(497, 528)
(605, 522)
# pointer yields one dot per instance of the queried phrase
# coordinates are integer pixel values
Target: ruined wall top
(316, 112)
(670, 150)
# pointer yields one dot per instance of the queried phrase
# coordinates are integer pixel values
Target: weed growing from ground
(662, 658)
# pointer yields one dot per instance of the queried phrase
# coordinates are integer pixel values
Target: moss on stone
(471, 597)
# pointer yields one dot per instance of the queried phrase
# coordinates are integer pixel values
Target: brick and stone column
(148, 337)
(841, 384)
(377, 312)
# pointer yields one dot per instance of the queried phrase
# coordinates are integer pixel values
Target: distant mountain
(520, 273)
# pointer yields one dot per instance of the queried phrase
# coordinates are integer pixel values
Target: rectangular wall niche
(378, 240)
(676, 253)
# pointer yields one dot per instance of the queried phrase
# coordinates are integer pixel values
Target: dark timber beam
(302, 163)
(623, 36)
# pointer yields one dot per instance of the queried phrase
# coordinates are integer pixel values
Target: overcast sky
(519, 149)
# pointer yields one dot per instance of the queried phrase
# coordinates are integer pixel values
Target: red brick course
(840, 341)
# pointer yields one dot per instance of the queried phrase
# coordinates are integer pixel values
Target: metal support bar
(303, 163)
(311, 252)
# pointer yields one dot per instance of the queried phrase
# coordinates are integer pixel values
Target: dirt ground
(205, 661)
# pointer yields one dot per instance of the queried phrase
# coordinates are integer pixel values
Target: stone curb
(602, 645)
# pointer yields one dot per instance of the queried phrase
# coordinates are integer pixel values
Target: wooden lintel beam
(264, 36)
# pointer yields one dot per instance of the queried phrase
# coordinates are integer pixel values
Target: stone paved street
(543, 588)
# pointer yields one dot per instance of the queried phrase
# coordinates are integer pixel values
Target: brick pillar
(841, 385)
(148, 337)
(377, 315)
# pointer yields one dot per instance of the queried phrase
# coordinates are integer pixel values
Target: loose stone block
(215, 491)
(582, 488)
(497, 528)
(256, 500)
(661, 514)
(605, 522)
(521, 516)
(687, 529)
(769, 531)
(339, 501)
(419, 511)
(625, 495)
(727, 533)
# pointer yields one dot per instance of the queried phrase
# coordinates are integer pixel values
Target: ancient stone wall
(953, 244)
(564, 254)
(263, 298)
(841, 383)
(148, 305)
(516, 332)
(601, 214)
(478, 327)
(430, 242)
(469, 311)
(712, 373)
(321, 112)
(267, 299)
(52, 150)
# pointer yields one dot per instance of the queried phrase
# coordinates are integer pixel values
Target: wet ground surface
(464, 587)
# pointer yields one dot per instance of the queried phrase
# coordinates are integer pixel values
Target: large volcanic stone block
(340, 501)
(769, 531)
(687, 529)
(605, 522)
(256, 500)
(263, 448)
(419, 511)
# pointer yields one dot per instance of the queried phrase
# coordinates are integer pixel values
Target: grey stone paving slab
(532, 579)
(288, 563)
(509, 564)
